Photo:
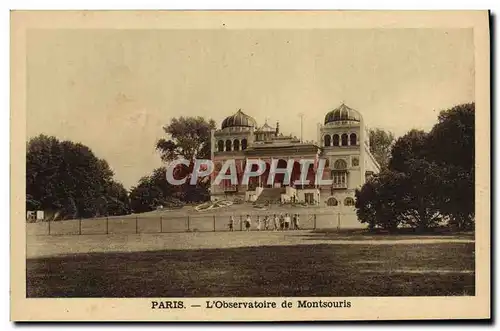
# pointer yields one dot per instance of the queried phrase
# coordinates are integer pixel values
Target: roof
(239, 119)
(342, 113)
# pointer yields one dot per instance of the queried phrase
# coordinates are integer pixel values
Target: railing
(132, 224)
(339, 185)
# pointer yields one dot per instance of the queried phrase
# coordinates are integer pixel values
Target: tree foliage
(381, 142)
(452, 147)
(377, 201)
(412, 145)
(188, 138)
(67, 177)
(153, 191)
(430, 177)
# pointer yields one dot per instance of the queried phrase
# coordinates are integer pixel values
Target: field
(293, 263)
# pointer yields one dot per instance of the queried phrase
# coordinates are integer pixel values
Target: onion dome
(342, 113)
(239, 119)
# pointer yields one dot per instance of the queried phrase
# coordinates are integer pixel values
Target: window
(349, 201)
(243, 144)
(344, 139)
(339, 179)
(328, 140)
(220, 146)
(309, 198)
(340, 164)
(353, 139)
(335, 140)
(332, 202)
(228, 145)
(236, 145)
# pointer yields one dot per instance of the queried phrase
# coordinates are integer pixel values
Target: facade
(342, 140)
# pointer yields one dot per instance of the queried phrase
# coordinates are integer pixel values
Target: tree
(145, 196)
(377, 202)
(391, 198)
(66, 177)
(117, 199)
(381, 142)
(154, 190)
(436, 177)
(189, 138)
(452, 139)
(419, 197)
(412, 145)
(451, 145)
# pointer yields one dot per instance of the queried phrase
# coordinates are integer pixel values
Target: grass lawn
(289, 270)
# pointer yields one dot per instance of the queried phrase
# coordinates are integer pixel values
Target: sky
(114, 90)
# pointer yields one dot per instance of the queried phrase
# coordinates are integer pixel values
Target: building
(342, 141)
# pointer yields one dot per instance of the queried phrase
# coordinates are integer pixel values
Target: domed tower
(229, 143)
(235, 134)
(341, 138)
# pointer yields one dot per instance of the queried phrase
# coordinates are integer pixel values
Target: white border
(102, 4)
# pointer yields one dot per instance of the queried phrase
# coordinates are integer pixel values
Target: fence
(192, 223)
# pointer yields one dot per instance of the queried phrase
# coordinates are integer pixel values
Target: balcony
(339, 186)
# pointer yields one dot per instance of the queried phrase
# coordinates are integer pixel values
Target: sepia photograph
(228, 162)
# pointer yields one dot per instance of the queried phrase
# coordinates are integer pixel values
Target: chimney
(277, 128)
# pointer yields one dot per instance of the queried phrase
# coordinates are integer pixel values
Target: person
(248, 222)
(297, 221)
(276, 222)
(231, 223)
(282, 222)
(287, 221)
(266, 222)
(258, 221)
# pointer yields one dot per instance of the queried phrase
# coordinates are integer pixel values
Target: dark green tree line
(429, 179)
(67, 177)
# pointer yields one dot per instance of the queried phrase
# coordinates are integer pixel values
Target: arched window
(328, 140)
(332, 202)
(340, 165)
(344, 139)
(228, 145)
(335, 140)
(236, 145)
(220, 146)
(353, 139)
(243, 144)
(349, 201)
